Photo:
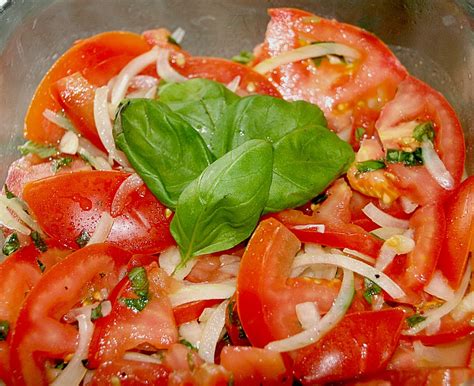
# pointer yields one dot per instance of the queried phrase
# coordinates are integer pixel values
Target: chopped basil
(359, 133)
(4, 329)
(319, 198)
(235, 320)
(96, 312)
(58, 163)
(60, 365)
(415, 319)
(408, 158)
(11, 245)
(243, 58)
(8, 193)
(317, 61)
(140, 285)
(135, 304)
(41, 266)
(43, 151)
(370, 166)
(188, 344)
(83, 239)
(424, 132)
(172, 40)
(39, 242)
(371, 289)
(231, 381)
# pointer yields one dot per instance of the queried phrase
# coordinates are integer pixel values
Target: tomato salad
(295, 214)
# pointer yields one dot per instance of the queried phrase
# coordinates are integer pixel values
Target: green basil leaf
(415, 319)
(139, 281)
(96, 312)
(243, 58)
(370, 166)
(408, 158)
(359, 133)
(371, 289)
(424, 132)
(305, 162)
(8, 193)
(12, 244)
(41, 266)
(58, 163)
(42, 151)
(4, 329)
(203, 104)
(269, 118)
(83, 239)
(135, 304)
(40, 244)
(221, 208)
(164, 149)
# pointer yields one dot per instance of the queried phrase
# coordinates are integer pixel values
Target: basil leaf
(269, 118)
(4, 329)
(370, 166)
(135, 304)
(8, 193)
(243, 58)
(359, 133)
(424, 132)
(39, 242)
(221, 208)
(203, 104)
(58, 163)
(139, 281)
(41, 266)
(83, 239)
(408, 158)
(164, 149)
(96, 312)
(371, 289)
(12, 244)
(42, 151)
(305, 162)
(415, 319)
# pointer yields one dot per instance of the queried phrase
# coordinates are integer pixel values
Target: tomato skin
(255, 366)
(76, 97)
(362, 343)
(67, 204)
(87, 57)
(191, 311)
(459, 233)
(38, 333)
(124, 329)
(130, 373)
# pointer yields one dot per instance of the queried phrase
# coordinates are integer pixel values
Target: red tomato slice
(459, 233)
(67, 204)
(39, 333)
(19, 273)
(416, 101)
(191, 311)
(351, 95)
(224, 71)
(125, 329)
(76, 97)
(266, 298)
(362, 343)
(87, 57)
(130, 373)
(255, 366)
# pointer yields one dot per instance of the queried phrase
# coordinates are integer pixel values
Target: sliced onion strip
(306, 52)
(308, 315)
(395, 245)
(202, 291)
(131, 184)
(212, 332)
(178, 35)
(18, 208)
(59, 120)
(233, 85)
(383, 219)
(314, 227)
(7, 220)
(439, 287)
(164, 69)
(436, 167)
(69, 143)
(139, 357)
(102, 230)
(360, 256)
(328, 321)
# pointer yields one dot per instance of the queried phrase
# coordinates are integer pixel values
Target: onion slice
(383, 219)
(59, 120)
(360, 256)
(202, 291)
(164, 69)
(7, 220)
(307, 314)
(439, 287)
(139, 357)
(127, 187)
(328, 321)
(313, 227)
(378, 277)
(102, 230)
(395, 245)
(69, 143)
(433, 315)
(436, 167)
(233, 85)
(306, 52)
(211, 333)
(18, 208)
(74, 372)
(178, 35)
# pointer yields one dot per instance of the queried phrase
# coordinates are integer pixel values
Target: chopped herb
(42, 151)
(371, 289)
(41, 266)
(8, 193)
(317, 61)
(60, 365)
(230, 382)
(4, 329)
(83, 239)
(58, 163)
(359, 133)
(11, 245)
(85, 363)
(96, 312)
(191, 360)
(39, 242)
(234, 319)
(188, 344)
(319, 198)
(226, 338)
(408, 158)
(243, 58)
(135, 304)
(415, 319)
(172, 40)
(139, 281)
(424, 132)
(370, 166)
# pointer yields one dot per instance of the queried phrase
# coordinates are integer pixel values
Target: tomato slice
(68, 204)
(191, 311)
(224, 71)
(351, 95)
(125, 329)
(38, 333)
(459, 233)
(88, 57)
(417, 102)
(266, 298)
(362, 343)
(76, 97)
(130, 373)
(19, 273)
(255, 366)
